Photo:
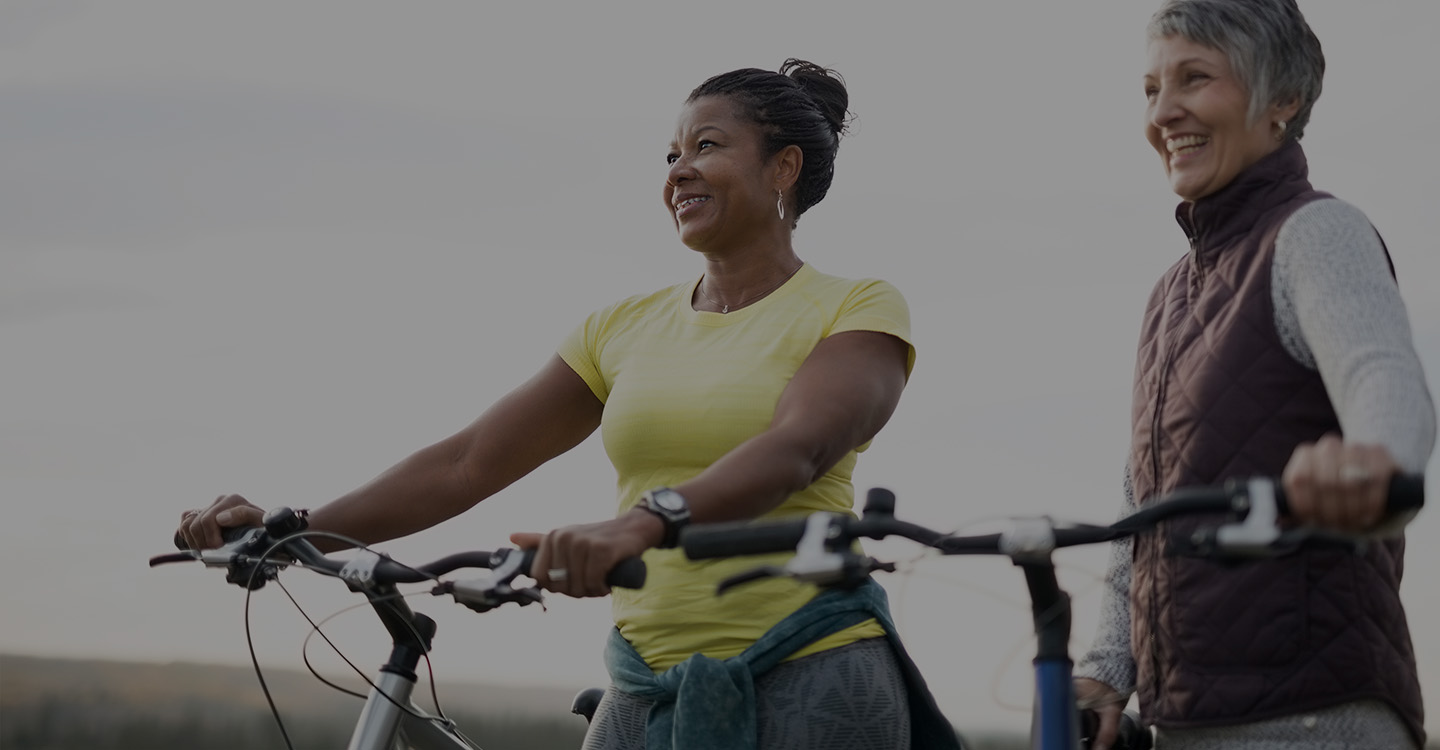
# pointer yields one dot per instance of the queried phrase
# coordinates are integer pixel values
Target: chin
(1188, 190)
(692, 240)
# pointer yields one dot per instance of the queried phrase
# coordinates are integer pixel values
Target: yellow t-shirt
(681, 389)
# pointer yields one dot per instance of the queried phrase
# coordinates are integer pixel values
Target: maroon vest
(1218, 397)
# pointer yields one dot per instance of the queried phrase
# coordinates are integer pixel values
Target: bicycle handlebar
(284, 531)
(823, 547)
(1259, 501)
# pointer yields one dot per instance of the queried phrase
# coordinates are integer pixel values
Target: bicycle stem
(1054, 721)
(411, 633)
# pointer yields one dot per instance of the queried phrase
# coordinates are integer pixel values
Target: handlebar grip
(1406, 494)
(1130, 735)
(627, 574)
(705, 541)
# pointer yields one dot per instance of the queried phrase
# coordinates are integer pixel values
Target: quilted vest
(1218, 397)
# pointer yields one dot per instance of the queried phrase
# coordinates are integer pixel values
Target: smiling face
(721, 185)
(1196, 117)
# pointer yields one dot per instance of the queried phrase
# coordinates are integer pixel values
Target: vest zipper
(1197, 269)
(1154, 613)
(1161, 388)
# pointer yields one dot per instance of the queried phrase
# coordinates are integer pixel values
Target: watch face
(670, 500)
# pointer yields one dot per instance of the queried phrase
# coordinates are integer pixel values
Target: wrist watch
(672, 509)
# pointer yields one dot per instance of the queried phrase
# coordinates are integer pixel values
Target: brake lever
(851, 571)
(754, 574)
(1259, 527)
(1292, 540)
(237, 556)
(1258, 534)
(814, 561)
(485, 594)
(236, 542)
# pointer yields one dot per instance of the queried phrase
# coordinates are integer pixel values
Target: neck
(734, 282)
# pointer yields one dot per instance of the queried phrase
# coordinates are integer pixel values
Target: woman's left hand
(1337, 484)
(574, 560)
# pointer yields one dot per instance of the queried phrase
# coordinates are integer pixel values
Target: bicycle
(824, 544)
(389, 719)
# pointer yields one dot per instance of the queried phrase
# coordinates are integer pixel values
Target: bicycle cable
(250, 644)
(909, 570)
(440, 718)
(315, 630)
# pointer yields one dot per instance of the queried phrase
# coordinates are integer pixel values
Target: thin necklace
(725, 308)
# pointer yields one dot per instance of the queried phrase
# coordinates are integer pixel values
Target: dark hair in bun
(803, 105)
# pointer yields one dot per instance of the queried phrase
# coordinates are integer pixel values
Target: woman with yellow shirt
(745, 393)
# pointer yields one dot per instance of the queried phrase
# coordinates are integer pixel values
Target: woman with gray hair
(1278, 345)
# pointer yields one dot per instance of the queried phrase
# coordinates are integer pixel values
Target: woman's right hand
(200, 529)
(1107, 705)
(1338, 484)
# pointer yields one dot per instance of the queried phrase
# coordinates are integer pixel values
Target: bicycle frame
(383, 725)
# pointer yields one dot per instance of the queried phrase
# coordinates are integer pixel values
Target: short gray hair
(1271, 49)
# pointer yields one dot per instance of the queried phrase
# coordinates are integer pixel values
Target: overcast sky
(273, 247)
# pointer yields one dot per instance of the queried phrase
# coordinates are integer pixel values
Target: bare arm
(840, 397)
(544, 417)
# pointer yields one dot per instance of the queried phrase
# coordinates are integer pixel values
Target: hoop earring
(780, 202)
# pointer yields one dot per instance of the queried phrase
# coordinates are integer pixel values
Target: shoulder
(624, 316)
(1328, 234)
(641, 304)
(860, 305)
(843, 290)
(1322, 216)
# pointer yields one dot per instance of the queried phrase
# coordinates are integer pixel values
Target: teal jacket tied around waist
(708, 704)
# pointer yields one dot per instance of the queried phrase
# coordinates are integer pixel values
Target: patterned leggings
(847, 698)
(1363, 725)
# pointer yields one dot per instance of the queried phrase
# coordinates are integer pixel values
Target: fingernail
(223, 516)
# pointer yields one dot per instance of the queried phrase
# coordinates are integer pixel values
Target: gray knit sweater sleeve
(1337, 310)
(1110, 659)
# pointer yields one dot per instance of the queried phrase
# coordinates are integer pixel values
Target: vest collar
(1213, 221)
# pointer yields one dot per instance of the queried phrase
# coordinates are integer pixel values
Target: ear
(787, 162)
(1284, 112)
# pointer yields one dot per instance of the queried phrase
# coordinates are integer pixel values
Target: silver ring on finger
(556, 575)
(1355, 474)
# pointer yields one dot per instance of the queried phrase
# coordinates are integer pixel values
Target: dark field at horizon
(94, 704)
